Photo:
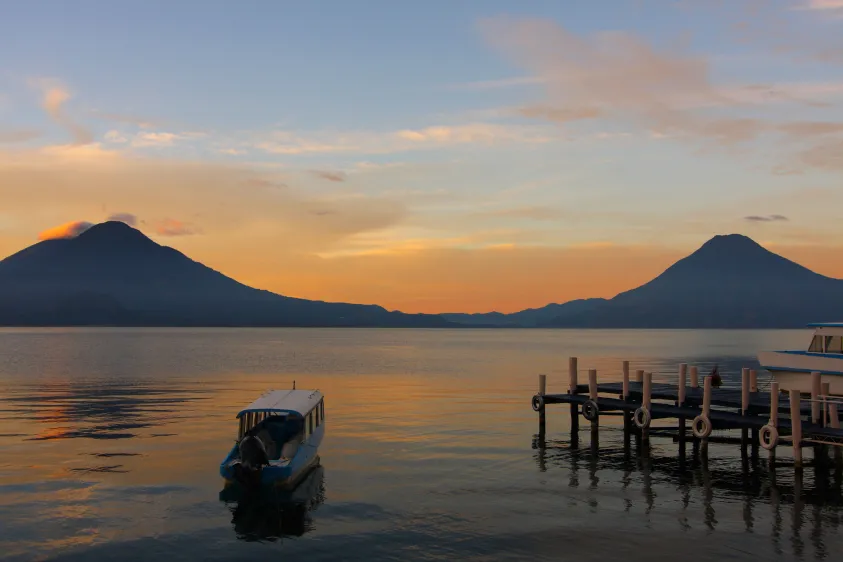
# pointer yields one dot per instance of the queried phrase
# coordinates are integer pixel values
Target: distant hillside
(112, 274)
(530, 318)
(730, 282)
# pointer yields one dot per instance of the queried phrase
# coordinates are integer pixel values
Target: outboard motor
(253, 458)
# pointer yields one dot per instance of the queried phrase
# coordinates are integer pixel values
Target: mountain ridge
(114, 274)
(731, 281)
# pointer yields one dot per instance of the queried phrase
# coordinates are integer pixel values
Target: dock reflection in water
(271, 514)
(800, 508)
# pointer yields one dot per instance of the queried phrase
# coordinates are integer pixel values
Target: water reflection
(94, 409)
(273, 514)
(797, 500)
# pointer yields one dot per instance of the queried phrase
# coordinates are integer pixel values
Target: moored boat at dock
(792, 368)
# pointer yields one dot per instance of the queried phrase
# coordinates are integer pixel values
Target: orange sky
(565, 161)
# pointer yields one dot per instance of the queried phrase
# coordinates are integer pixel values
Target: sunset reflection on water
(431, 449)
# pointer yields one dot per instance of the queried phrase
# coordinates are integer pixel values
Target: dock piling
(625, 390)
(683, 369)
(826, 391)
(816, 389)
(639, 376)
(572, 389)
(542, 392)
(753, 380)
(744, 407)
(695, 380)
(796, 424)
(646, 399)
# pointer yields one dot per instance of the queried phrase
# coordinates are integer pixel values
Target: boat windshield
(834, 344)
(816, 344)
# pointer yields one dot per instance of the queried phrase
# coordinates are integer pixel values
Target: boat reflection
(271, 514)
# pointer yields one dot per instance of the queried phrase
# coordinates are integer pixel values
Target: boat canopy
(284, 402)
(826, 325)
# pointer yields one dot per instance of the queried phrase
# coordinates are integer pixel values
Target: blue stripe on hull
(796, 370)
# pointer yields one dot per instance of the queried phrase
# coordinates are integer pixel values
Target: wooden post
(646, 387)
(592, 384)
(695, 381)
(753, 380)
(627, 416)
(683, 369)
(572, 389)
(542, 391)
(796, 423)
(744, 408)
(707, 396)
(744, 391)
(639, 376)
(625, 380)
(834, 421)
(572, 375)
(542, 419)
(774, 404)
(816, 389)
(826, 390)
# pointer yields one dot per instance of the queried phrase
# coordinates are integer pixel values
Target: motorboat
(278, 439)
(792, 368)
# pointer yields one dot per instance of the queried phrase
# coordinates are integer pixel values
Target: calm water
(111, 441)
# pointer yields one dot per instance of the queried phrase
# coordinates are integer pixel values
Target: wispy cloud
(515, 81)
(19, 135)
(66, 230)
(126, 119)
(403, 140)
(766, 218)
(173, 227)
(823, 5)
(54, 97)
(619, 77)
(127, 218)
(329, 175)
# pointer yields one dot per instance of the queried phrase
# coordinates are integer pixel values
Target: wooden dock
(764, 418)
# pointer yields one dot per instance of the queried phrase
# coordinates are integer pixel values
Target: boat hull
(792, 369)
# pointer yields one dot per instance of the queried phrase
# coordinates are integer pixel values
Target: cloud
(138, 122)
(766, 218)
(19, 135)
(824, 5)
(500, 83)
(154, 139)
(66, 230)
(172, 227)
(330, 176)
(54, 97)
(362, 142)
(538, 213)
(115, 137)
(618, 76)
(127, 218)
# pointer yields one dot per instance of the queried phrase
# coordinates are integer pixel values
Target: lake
(111, 441)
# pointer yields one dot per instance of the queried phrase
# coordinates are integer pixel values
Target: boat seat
(289, 449)
(272, 450)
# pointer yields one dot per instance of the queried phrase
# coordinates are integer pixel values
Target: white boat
(792, 368)
(278, 439)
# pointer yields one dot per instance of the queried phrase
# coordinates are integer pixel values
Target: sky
(431, 156)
